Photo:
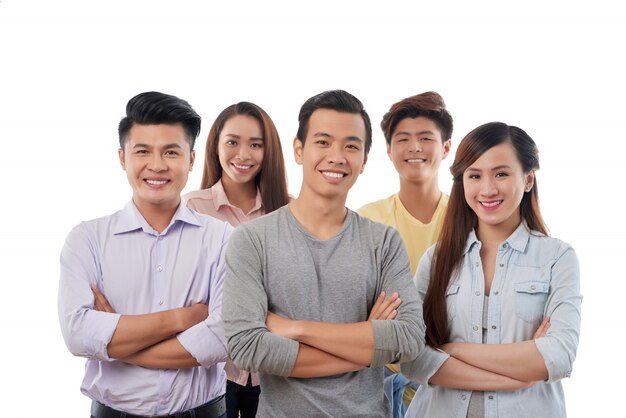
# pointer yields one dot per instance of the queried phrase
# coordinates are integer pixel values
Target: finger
(376, 309)
(393, 306)
(101, 301)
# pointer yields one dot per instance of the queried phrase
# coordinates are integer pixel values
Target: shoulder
(198, 198)
(546, 250)
(378, 210)
(379, 233)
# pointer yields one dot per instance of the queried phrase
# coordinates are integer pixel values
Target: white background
(67, 69)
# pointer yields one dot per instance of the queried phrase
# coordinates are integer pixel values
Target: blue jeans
(394, 386)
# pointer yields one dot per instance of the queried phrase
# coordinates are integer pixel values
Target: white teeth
(333, 174)
(416, 160)
(242, 167)
(492, 204)
(156, 182)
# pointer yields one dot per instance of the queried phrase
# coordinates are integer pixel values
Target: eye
(321, 142)
(502, 174)
(426, 139)
(473, 176)
(171, 153)
(353, 147)
(401, 140)
(256, 145)
(141, 152)
(231, 142)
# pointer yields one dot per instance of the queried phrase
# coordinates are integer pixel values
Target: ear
(446, 148)
(298, 149)
(363, 166)
(388, 151)
(120, 154)
(192, 159)
(529, 181)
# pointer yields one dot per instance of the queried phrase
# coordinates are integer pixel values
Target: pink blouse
(214, 202)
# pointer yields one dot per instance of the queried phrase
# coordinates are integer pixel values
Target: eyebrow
(252, 138)
(417, 133)
(168, 146)
(327, 135)
(500, 167)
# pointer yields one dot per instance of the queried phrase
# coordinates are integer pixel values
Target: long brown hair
(460, 219)
(271, 179)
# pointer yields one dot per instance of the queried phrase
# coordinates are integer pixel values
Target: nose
(336, 155)
(488, 187)
(157, 163)
(243, 153)
(415, 145)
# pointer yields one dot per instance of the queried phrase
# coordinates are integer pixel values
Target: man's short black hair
(338, 100)
(154, 108)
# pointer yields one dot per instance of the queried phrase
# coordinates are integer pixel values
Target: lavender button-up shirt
(141, 271)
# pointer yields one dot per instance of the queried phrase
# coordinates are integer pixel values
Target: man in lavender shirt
(140, 290)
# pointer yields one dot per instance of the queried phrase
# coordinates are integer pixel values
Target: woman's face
(240, 148)
(494, 186)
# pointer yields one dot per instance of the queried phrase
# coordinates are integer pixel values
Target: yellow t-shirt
(417, 236)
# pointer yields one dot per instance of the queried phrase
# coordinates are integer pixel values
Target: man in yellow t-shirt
(418, 131)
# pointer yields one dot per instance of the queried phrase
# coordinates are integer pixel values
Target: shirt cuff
(205, 342)
(99, 333)
(425, 365)
(556, 361)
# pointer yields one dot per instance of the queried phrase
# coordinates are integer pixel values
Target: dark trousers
(241, 401)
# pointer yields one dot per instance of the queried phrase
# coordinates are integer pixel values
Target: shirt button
(493, 327)
(477, 264)
(161, 302)
(163, 401)
(477, 293)
(160, 238)
(533, 287)
(475, 327)
(496, 292)
(490, 397)
(505, 245)
(159, 268)
(463, 397)
(501, 264)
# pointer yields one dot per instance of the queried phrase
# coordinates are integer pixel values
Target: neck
(420, 199)
(158, 217)
(322, 217)
(242, 195)
(495, 234)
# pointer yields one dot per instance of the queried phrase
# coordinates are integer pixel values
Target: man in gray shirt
(304, 297)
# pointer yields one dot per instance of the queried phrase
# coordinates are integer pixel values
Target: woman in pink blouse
(244, 178)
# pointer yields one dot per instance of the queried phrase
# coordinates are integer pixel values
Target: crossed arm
(148, 340)
(327, 349)
(490, 367)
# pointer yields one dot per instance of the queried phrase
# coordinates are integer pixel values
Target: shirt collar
(130, 219)
(517, 240)
(220, 199)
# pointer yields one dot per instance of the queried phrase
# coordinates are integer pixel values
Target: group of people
(241, 300)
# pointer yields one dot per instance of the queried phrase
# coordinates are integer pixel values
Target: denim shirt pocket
(452, 296)
(530, 299)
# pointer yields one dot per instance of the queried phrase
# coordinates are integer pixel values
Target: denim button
(475, 327)
(477, 293)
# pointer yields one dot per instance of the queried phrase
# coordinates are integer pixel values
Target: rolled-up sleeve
(250, 345)
(402, 339)
(206, 341)
(86, 332)
(558, 347)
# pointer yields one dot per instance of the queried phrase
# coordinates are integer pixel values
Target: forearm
(456, 374)
(167, 354)
(520, 361)
(352, 342)
(137, 332)
(312, 362)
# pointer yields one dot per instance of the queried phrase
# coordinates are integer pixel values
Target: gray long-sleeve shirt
(274, 264)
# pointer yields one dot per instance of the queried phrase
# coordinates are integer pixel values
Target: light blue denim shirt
(535, 276)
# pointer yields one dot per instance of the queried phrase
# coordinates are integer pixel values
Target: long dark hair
(271, 179)
(460, 219)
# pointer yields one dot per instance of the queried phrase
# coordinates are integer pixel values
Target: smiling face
(416, 149)
(333, 155)
(157, 160)
(494, 186)
(240, 149)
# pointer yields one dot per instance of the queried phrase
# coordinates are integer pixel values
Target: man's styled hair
(154, 108)
(338, 100)
(429, 105)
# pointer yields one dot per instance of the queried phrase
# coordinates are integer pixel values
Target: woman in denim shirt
(501, 298)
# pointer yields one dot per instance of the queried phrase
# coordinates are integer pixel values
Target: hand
(543, 328)
(385, 308)
(100, 303)
(195, 314)
(279, 325)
